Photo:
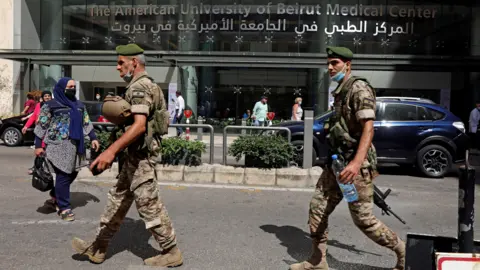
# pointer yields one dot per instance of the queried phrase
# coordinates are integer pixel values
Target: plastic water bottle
(349, 191)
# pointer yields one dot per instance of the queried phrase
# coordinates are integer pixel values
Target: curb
(220, 174)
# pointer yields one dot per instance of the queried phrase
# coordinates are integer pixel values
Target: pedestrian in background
(46, 96)
(29, 105)
(297, 111)
(473, 125)
(260, 110)
(62, 124)
(179, 108)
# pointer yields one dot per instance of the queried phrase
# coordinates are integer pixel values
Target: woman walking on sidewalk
(62, 124)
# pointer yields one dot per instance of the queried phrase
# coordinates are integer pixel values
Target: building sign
(276, 25)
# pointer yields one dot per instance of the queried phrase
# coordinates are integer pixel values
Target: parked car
(11, 131)
(408, 131)
(94, 109)
(11, 128)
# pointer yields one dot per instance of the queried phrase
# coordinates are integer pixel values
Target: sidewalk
(218, 138)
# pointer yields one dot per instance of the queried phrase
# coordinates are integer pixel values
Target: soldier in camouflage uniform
(137, 178)
(349, 135)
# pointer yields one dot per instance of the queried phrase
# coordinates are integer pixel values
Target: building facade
(224, 54)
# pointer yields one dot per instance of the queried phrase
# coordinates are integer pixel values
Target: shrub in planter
(262, 151)
(177, 151)
(104, 141)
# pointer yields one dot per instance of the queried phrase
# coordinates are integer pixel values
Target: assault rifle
(379, 200)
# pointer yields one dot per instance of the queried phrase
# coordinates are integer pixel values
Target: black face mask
(70, 93)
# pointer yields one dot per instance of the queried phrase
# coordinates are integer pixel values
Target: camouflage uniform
(137, 179)
(354, 100)
(137, 182)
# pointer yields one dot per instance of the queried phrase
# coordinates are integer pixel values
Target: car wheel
(12, 136)
(298, 153)
(434, 160)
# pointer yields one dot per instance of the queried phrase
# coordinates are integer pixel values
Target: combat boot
(318, 260)
(399, 249)
(169, 258)
(95, 251)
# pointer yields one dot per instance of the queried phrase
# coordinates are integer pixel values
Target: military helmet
(116, 109)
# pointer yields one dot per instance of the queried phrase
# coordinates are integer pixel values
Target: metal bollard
(466, 202)
(244, 123)
(200, 130)
(308, 139)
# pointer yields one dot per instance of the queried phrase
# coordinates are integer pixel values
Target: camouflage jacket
(354, 100)
(145, 97)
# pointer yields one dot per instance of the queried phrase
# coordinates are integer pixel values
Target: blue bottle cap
(334, 157)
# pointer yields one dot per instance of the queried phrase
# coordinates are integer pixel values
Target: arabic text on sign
(269, 25)
(362, 27)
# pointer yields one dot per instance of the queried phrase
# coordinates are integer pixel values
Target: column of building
(475, 51)
(320, 81)
(189, 41)
(51, 39)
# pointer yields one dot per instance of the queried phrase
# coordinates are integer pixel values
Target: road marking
(176, 187)
(55, 221)
(173, 186)
(250, 190)
(240, 187)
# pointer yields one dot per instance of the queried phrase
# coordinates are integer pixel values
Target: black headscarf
(46, 92)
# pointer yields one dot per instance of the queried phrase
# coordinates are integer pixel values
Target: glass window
(423, 114)
(378, 114)
(400, 112)
(435, 115)
(365, 26)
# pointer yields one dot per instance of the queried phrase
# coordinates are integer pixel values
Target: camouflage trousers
(137, 182)
(328, 195)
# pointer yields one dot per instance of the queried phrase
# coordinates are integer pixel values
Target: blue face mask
(340, 75)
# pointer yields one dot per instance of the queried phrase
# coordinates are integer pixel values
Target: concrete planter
(111, 173)
(292, 177)
(313, 176)
(207, 173)
(229, 175)
(173, 173)
(199, 174)
(261, 177)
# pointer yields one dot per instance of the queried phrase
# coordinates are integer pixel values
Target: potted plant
(177, 151)
(262, 151)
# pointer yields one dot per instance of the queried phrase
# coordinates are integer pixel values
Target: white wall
(9, 71)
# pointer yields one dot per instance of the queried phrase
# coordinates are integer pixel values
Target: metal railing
(103, 124)
(210, 127)
(224, 156)
(308, 140)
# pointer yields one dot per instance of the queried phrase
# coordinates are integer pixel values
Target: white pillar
(8, 69)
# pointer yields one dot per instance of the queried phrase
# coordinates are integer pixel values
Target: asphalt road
(218, 228)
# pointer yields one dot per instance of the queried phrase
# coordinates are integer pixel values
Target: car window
(400, 112)
(435, 115)
(423, 114)
(378, 114)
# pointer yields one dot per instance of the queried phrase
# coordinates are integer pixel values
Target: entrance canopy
(246, 59)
